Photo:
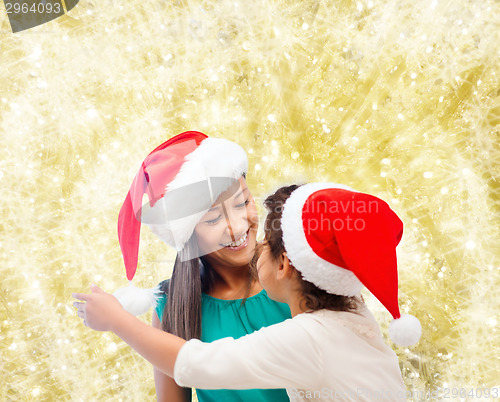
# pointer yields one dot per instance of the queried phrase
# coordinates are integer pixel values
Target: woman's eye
(243, 204)
(213, 221)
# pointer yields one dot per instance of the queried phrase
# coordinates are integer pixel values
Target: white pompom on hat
(182, 178)
(341, 239)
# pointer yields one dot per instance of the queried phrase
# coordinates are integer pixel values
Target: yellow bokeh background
(398, 98)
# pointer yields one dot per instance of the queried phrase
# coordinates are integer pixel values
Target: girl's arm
(103, 312)
(283, 355)
(166, 388)
(290, 354)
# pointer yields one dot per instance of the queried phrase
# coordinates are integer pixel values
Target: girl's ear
(286, 269)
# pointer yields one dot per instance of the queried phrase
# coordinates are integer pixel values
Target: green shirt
(229, 318)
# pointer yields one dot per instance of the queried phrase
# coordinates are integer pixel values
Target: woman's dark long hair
(182, 312)
(314, 297)
(190, 277)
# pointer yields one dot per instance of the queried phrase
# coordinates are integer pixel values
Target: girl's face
(227, 233)
(267, 267)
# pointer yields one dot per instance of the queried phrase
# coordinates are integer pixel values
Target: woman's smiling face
(226, 234)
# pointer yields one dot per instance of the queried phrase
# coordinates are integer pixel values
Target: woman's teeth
(236, 243)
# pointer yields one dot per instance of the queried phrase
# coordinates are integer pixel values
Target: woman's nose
(237, 224)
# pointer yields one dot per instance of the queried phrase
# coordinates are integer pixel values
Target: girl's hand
(99, 310)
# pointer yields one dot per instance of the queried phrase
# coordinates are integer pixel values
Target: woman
(199, 203)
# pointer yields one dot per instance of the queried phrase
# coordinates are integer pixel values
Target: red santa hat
(182, 178)
(340, 240)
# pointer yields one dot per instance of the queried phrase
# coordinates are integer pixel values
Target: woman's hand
(99, 310)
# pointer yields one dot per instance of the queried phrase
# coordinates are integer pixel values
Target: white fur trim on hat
(214, 157)
(323, 274)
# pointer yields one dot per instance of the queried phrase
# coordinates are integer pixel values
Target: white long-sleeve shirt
(320, 356)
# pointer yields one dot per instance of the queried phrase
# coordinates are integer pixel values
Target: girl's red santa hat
(340, 240)
(182, 178)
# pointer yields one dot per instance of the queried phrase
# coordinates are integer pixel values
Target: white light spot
(428, 175)
(91, 113)
(271, 118)
(112, 348)
(37, 52)
(470, 245)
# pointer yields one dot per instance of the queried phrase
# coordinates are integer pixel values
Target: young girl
(322, 243)
(199, 203)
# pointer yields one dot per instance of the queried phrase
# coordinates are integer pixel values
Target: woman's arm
(103, 312)
(166, 388)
